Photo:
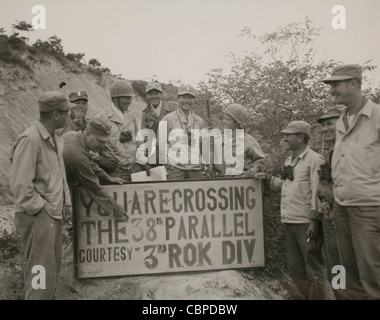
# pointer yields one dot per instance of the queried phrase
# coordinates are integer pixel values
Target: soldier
(298, 186)
(82, 171)
(37, 180)
(356, 176)
(118, 158)
(155, 111)
(235, 116)
(183, 118)
(79, 107)
(326, 195)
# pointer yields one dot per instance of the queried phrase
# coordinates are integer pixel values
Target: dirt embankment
(19, 92)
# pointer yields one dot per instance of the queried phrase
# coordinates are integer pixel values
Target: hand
(120, 213)
(251, 172)
(116, 180)
(262, 176)
(67, 215)
(146, 167)
(312, 230)
(109, 164)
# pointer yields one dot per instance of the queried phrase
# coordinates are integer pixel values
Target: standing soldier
(118, 158)
(82, 171)
(79, 107)
(38, 182)
(235, 116)
(298, 186)
(155, 111)
(183, 118)
(326, 196)
(356, 176)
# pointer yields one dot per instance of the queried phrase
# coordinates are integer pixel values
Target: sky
(171, 40)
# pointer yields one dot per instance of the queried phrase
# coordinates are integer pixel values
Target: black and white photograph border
(262, 54)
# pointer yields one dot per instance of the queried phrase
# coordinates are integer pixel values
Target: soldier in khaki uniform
(154, 112)
(185, 119)
(298, 187)
(326, 196)
(82, 171)
(37, 180)
(118, 158)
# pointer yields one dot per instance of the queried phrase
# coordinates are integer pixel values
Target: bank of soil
(246, 284)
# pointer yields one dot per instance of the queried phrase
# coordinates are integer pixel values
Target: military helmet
(121, 88)
(237, 112)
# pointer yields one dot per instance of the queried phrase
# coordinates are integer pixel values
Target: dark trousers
(332, 254)
(358, 234)
(305, 262)
(42, 240)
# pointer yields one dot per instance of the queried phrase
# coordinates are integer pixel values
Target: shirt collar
(42, 129)
(118, 112)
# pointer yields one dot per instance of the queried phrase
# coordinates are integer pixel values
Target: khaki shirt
(37, 175)
(177, 120)
(82, 171)
(356, 158)
(123, 152)
(299, 196)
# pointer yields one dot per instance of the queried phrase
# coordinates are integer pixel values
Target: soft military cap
(100, 128)
(297, 127)
(153, 86)
(332, 112)
(79, 95)
(53, 101)
(186, 90)
(345, 72)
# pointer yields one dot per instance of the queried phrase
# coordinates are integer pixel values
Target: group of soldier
(335, 202)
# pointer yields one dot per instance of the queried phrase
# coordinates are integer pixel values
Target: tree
(75, 56)
(94, 63)
(23, 26)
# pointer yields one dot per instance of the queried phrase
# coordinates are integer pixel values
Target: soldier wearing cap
(325, 194)
(356, 176)
(79, 107)
(118, 157)
(83, 172)
(37, 180)
(298, 186)
(186, 120)
(155, 111)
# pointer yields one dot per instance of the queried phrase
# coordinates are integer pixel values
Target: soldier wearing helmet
(234, 118)
(118, 158)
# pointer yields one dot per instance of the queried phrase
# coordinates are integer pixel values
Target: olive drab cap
(79, 95)
(121, 88)
(333, 112)
(345, 72)
(100, 128)
(53, 101)
(237, 112)
(153, 86)
(297, 127)
(182, 90)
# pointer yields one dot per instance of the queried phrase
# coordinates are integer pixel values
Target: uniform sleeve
(275, 184)
(100, 173)
(22, 174)
(82, 169)
(256, 156)
(314, 181)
